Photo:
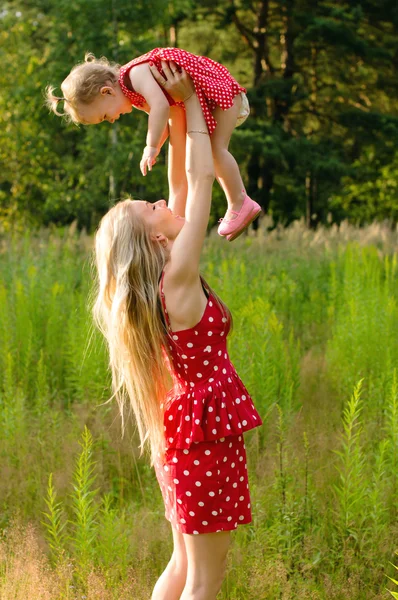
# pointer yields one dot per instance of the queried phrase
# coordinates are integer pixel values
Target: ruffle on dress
(209, 411)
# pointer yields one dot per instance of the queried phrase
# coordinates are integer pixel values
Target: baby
(97, 90)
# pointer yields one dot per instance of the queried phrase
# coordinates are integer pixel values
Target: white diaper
(244, 110)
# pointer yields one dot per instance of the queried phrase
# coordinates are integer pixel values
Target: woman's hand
(179, 85)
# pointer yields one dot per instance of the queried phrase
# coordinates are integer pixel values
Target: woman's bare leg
(207, 561)
(172, 581)
(227, 170)
(178, 186)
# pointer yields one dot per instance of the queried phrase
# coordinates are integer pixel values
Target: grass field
(315, 341)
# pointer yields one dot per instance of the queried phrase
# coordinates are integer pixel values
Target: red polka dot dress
(214, 84)
(203, 474)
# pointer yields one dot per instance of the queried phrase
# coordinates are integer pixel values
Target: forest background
(321, 78)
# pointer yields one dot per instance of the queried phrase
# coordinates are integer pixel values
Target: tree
(321, 79)
(317, 72)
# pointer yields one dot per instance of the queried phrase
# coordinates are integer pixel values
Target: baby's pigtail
(52, 100)
(89, 57)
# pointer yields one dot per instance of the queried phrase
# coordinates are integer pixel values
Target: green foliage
(97, 534)
(55, 524)
(378, 491)
(85, 523)
(364, 338)
(350, 491)
(313, 315)
(113, 538)
(391, 432)
(321, 80)
(370, 191)
(394, 594)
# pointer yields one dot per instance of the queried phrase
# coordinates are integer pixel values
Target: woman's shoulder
(186, 299)
(180, 279)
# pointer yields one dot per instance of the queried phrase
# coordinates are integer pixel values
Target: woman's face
(159, 217)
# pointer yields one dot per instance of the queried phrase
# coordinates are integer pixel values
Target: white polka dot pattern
(208, 400)
(204, 473)
(215, 496)
(214, 84)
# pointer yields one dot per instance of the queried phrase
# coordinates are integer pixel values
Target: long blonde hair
(82, 85)
(127, 310)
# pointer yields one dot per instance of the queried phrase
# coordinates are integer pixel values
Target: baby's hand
(148, 159)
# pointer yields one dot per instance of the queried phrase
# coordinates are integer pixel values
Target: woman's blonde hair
(82, 85)
(127, 310)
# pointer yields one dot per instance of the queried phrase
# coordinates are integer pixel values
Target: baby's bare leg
(178, 186)
(227, 170)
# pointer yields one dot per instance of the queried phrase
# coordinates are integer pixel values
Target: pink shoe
(232, 228)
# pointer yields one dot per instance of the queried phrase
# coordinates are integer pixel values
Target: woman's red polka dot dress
(203, 474)
(214, 84)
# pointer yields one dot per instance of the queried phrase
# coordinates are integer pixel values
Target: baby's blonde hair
(82, 85)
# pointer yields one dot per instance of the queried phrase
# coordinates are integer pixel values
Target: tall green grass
(86, 528)
(314, 340)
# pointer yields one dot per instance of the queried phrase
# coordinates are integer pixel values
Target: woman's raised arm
(187, 247)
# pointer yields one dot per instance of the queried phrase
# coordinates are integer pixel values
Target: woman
(162, 320)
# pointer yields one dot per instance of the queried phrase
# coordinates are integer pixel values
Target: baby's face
(107, 106)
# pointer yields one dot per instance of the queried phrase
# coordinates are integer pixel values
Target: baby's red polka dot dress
(203, 474)
(214, 84)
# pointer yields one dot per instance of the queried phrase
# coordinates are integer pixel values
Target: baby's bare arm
(143, 83)
(144, 107)
(166, 131)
